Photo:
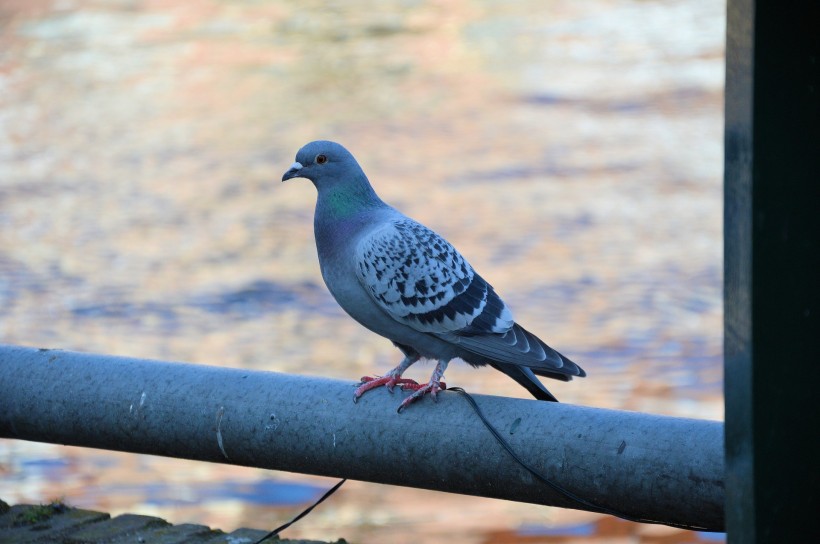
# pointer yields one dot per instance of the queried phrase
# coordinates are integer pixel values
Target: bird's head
(324, 163)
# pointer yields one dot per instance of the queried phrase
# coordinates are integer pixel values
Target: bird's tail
(526, 378)
(519, 347)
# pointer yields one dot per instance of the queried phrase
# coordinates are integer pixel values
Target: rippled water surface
(571, 150)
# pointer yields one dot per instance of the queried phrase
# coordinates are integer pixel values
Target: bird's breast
(336, 245)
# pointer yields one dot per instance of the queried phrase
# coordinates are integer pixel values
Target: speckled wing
(420, 280)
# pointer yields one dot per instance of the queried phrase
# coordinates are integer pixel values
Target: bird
(405, 282)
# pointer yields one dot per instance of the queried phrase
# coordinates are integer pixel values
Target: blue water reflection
(263, 492)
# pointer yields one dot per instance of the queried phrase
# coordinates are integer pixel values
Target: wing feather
(420, 280)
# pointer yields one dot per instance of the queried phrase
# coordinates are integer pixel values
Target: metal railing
(665, 469)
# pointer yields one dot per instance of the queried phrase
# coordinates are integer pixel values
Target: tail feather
(519, 354)
(518, 347)
(526, 379)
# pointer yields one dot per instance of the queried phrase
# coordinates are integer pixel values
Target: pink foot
(415, 386)
(432, 388)
(369, 382)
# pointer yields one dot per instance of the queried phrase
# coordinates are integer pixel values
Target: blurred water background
(571, 150)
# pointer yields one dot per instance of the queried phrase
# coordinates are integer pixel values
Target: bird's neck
(342, 201)
(341, 212)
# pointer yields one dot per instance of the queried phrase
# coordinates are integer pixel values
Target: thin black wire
(304, 513)
(563, 491)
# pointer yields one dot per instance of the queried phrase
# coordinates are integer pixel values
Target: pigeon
(408, 284)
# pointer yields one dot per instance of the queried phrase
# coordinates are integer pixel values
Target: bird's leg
(391, 379)
(432, 387)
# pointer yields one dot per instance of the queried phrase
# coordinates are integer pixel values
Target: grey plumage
(405, 282)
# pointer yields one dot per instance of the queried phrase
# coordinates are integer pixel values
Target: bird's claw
(370, 382)
(415, 386)
(431, 388)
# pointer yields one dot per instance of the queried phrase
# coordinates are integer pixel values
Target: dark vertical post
(737, 271)
(772, 270)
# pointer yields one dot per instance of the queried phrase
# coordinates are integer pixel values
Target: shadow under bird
(403, 281)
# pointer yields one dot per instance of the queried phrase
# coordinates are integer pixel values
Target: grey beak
(293, 172)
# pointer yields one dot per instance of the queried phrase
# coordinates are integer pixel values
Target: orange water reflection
(571, 150)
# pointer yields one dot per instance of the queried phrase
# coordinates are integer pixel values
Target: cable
(304, 513)
(572, 496)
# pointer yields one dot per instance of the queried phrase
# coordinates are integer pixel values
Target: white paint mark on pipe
(219, 442)
(131, 410)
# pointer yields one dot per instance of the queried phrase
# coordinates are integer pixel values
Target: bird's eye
(321, 159)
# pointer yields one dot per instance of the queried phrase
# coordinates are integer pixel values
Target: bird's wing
(420, 280)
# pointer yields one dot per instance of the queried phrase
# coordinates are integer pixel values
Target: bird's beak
(293, 172)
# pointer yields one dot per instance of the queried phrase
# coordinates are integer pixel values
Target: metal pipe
(652, 467)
